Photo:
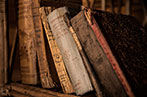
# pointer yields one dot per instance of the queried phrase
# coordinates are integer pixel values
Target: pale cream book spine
(27, 43)
(69, 51)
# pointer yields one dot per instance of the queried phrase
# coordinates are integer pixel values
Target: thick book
(2, 56)
(56, 54)
(69, 51)
(44, 68)
(5, 46)
(101, 39)
(27, 49)
(88, 67)
(124, 41)
(111, 85)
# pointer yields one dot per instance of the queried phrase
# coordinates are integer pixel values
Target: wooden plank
(35, 91)
(17, 94)
(57, 57)
(27, 43)
(45, 76)
(69, 51)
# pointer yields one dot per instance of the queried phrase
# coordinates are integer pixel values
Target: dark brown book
(104, 44)
(4, 30)
(126, 39)
(2, 55)
(45, 75)
(111, 85)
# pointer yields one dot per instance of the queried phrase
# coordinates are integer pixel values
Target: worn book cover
(69, 51)
(87, 65)
(57, 57)
(5, 46)
(111, 85)
(27, 49)
(2, 55)
(45, 76)
(126, 39)
(108, 52)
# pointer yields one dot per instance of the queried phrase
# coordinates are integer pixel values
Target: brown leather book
(44, 68)
(5, 47)
(111, 85)
(124, 42)
(104, 44)
(27, 49)
(2, 56)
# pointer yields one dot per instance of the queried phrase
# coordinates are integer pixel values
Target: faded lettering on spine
(69, 51)
(26, 43)
(45, 75)
(57, 57)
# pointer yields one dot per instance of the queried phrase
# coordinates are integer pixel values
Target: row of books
(81, 49)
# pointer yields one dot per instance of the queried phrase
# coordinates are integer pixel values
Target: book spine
(69, 51)
(45, 76)
(27, 43)
(2, 56)
(110, 56)
(57, 57)
(5, 51)
(92, 76)
(108, 79)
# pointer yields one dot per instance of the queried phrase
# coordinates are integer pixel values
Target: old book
(69, 51)
(2, 56)
(126, 38)
(27, 42)
(110, 83)
(108, 52)
(4, 26)
(45, 76)
(35, 91)
(89, 69)
(57, 57)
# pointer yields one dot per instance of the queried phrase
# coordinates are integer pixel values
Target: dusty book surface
(27, 43)
(110, 83)
(69, 51)
(56, 54)
(45, 75)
